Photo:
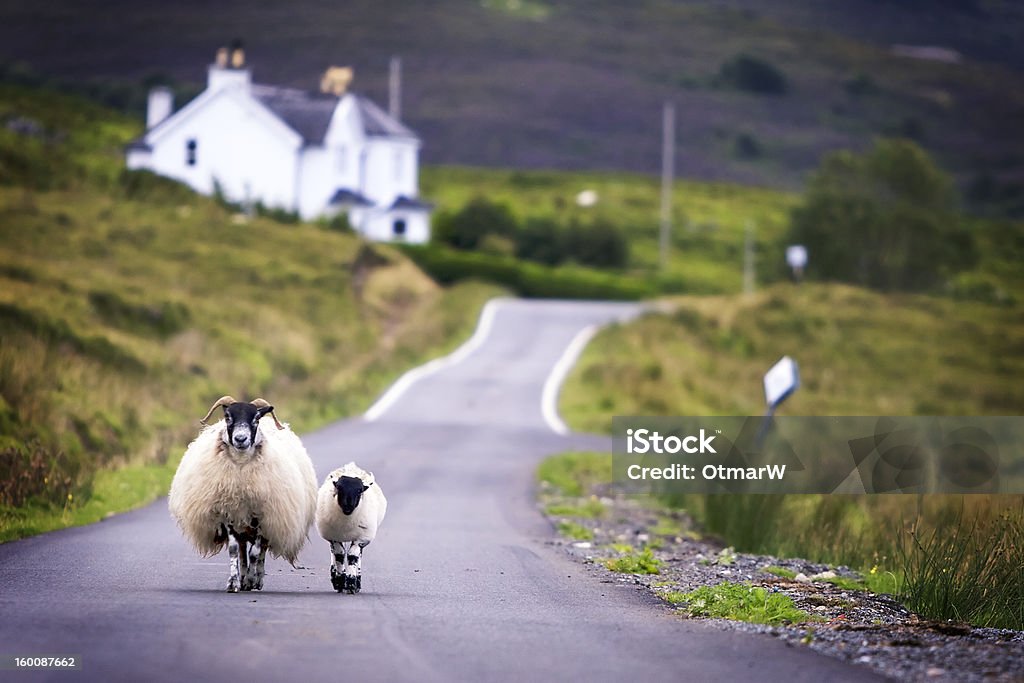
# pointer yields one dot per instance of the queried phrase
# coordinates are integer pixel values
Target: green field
(128, 304)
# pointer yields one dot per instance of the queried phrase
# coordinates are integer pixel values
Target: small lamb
(350, 507)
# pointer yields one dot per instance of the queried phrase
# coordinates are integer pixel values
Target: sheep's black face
(348, 491)
(242, 424)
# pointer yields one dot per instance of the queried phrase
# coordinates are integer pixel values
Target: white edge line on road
(553, 384)
(395, 391)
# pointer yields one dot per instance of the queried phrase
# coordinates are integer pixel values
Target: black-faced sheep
(243, 484)
(350, 508)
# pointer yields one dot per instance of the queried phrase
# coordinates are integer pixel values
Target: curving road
(459, 584)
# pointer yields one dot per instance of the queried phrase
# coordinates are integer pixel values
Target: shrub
(541, 240)
(599, 245)
(480, 217)
(527, 279)
(753, 74)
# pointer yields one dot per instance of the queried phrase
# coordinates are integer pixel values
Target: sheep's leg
(339, 562)
(257, 555)
(353, 570)
(235, 563)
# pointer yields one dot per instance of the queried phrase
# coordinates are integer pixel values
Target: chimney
(160, 105)
(336, 80)
(228, 69)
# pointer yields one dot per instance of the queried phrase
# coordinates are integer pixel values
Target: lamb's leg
(353, 571)
(253, 579)
(339, 560)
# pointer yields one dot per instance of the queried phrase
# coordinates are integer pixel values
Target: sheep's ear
(263, 410)
(366, 487)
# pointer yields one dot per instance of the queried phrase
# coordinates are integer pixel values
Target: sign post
(779, 384)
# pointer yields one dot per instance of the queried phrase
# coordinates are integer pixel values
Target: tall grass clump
(971, 570)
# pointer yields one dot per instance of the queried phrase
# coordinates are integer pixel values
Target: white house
(318, 154)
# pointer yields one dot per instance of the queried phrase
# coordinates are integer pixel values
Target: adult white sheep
(241, 484)
(349, 509)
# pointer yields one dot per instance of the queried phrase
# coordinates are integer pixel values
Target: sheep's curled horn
(228, 400)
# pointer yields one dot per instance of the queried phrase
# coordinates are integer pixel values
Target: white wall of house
(390, 169)
(238, 144)
(228, 137)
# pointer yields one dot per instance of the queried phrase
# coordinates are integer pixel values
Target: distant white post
(668, 160)
(395, 89)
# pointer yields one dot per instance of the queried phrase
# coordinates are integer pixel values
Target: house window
(341, 159)
(398, 228)
(190, 152)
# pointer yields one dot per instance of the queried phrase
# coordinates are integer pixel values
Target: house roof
(403, 202)
(349, 197)
(308, 114)
(376, 122)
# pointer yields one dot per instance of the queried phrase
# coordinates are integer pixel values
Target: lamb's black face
(242, 420)
(348, 491)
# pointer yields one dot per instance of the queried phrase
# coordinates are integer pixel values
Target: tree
(886, 219)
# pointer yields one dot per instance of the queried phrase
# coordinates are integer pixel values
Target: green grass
(575, 531)
(129, 304)
(113, 491)
(573, 474)
(739, 602)
(860, 353)
(635, 562)
(781, 572)
(592, 508)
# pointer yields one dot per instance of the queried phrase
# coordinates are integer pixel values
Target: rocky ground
(845, 620)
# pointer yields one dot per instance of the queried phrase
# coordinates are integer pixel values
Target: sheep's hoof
(232, 585)
(252, 583)
(337, 580)
(352, 584)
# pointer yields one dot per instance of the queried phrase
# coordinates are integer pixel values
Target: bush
(599, 245)
(477, 219)
(885, 219)
(541, 240)
(746, 72)
(527, 279)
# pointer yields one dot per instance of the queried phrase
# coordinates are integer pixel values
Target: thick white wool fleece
(362, 524)
(276, 485)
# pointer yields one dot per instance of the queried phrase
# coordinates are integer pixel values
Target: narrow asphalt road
(459, 584)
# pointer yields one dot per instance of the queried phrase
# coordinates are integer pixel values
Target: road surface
(459, 584)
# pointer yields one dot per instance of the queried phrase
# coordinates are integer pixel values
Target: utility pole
(748, 259)
(395, 89)
(668, 159)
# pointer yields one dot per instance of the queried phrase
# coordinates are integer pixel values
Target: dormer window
(190, 152)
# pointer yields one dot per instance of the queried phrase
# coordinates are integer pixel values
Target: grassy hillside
(860, 353)
(128, 304)
(580, 85)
